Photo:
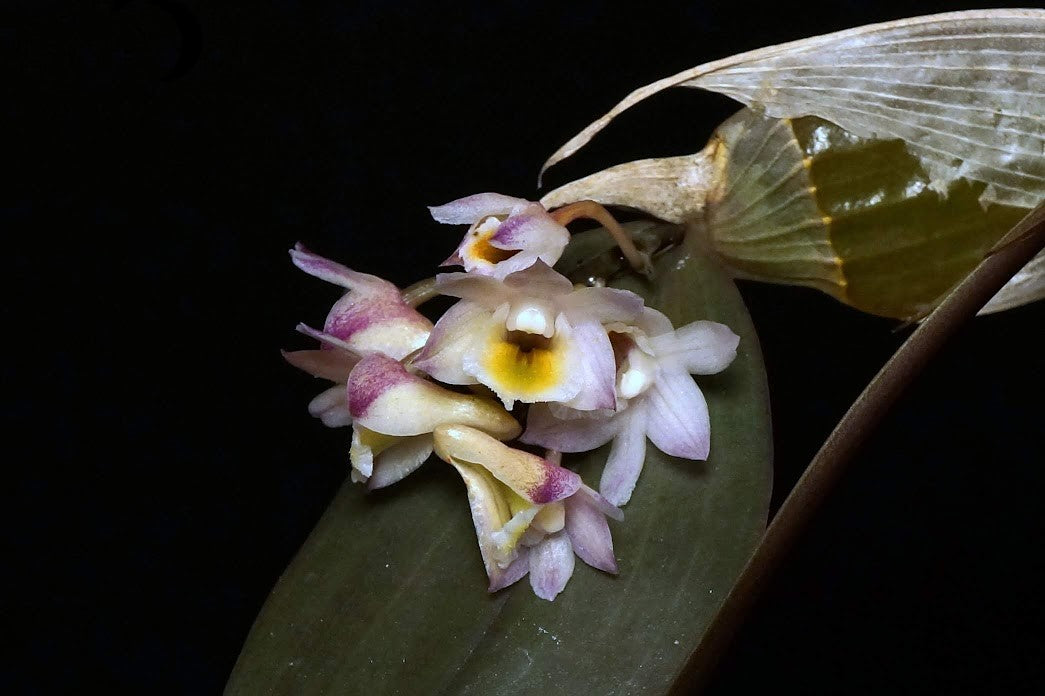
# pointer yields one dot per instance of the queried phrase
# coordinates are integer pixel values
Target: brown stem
(1025, 240)
(593, 211)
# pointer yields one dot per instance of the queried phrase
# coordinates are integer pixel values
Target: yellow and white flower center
(636, 374)
(478, 248)
(532, 317)
(525, 355)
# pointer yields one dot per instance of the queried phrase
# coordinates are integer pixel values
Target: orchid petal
(654, 323)
(372, 316)
(467, 210)
(539, 280)
(506, 539)
(334, 365)
(332, 272)
(483, 290)
(331, 407)
(400, 460)
(452, 337)
(551, 518)
(702, 347)
(590, 533)
(325, 338)
(604, 304)
(453, 260)
(382, 324)
(384, 397)
(678, 416)
(490, 512)
(627, 455)
(536, 480)
(601, 504)
(513, 264)
(568, 435)
(532, 228)
(551, 566)
(500, 579)
(592, 359)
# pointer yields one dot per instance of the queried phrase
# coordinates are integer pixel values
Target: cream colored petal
(387, 399)
(535, 479)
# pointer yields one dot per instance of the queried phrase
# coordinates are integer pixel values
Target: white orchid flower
(370, 317)
(531, 337)
(505, 234)
(657, 399)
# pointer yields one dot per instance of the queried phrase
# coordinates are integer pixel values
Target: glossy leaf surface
(388, 594)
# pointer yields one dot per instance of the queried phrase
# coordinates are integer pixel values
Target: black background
(165, 154)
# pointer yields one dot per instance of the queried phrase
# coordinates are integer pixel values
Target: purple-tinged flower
(505, 235)
(370, 317)
(393, 415)
(657, 398)
(530, 514)
(531, 337)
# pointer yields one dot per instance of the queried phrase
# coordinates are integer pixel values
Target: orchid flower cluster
(582, 366)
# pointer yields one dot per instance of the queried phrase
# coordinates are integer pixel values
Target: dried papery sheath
(878, 164)
(802, 201)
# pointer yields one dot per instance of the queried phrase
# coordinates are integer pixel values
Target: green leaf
(388, 594)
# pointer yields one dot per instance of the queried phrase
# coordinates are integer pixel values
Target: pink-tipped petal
(572, 435)
(465, 211)
(627, 455)
(400, 460)
(331, 407)
(502, 578)
(452, 339)
(387, 399)
(589, 533)
(372, 378)
(702, 347)
(678, 416)
(334, 365)
(536, 480)
(558, 483)
(531, 228)
(335, 273)
(378, 324)
(592, 359)
(551, 565)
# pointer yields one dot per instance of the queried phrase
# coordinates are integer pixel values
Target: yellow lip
(482, 249)
(523, 366)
